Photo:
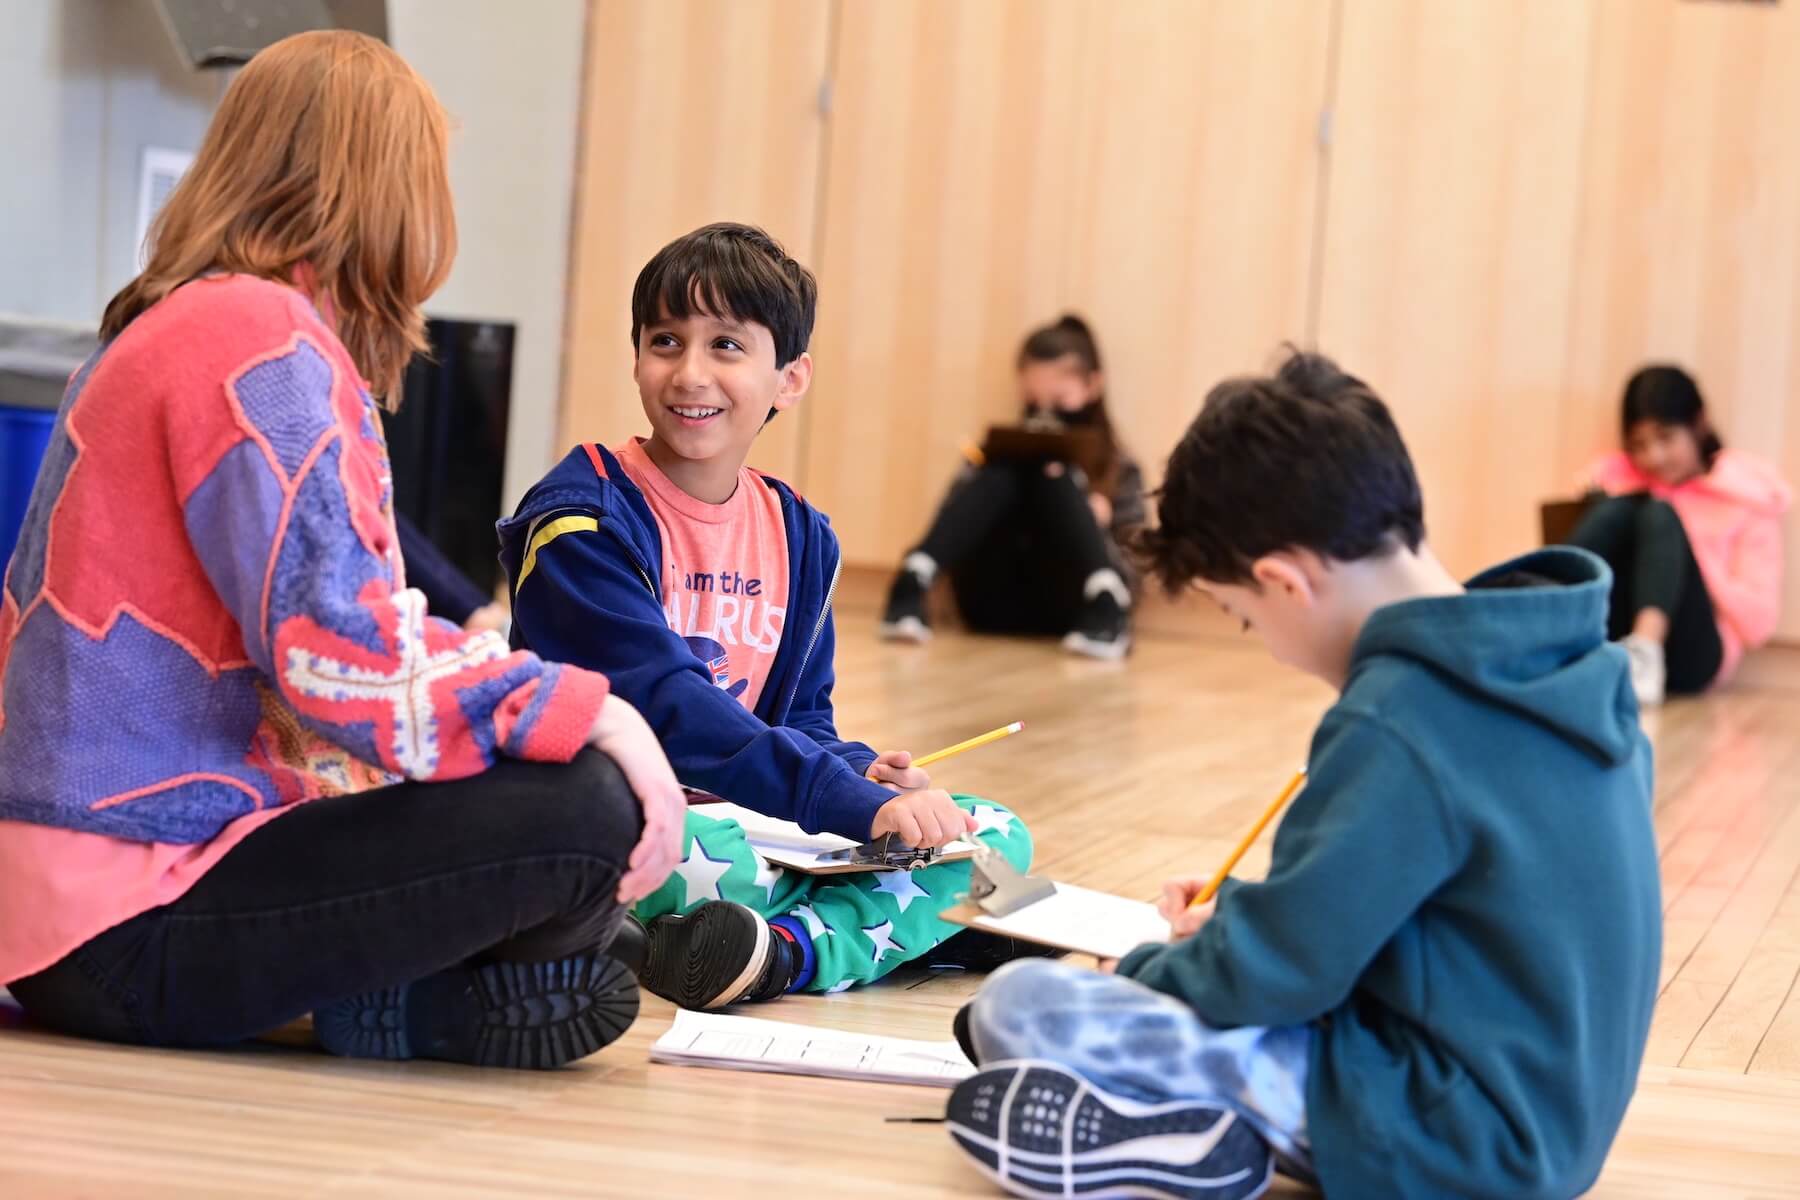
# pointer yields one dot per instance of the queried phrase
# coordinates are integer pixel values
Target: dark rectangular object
(1558, 519)
(448, 442)
(1012, 443)
(226, 33)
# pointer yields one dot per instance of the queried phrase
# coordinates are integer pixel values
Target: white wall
(85, 85)
(510, 76)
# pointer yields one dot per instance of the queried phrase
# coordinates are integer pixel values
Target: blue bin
(24, 436)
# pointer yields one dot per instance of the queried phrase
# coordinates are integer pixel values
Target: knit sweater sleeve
(289, 514)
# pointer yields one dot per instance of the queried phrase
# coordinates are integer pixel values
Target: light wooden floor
(1126, 773)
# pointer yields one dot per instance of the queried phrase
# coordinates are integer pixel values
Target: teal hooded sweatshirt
(1463, 901)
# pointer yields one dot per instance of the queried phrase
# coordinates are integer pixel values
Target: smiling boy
(706, 589)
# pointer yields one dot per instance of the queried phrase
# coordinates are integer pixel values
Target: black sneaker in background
(904, 619)
(980, 950)
(1103, 630)
(721, 953)
(504, 1014)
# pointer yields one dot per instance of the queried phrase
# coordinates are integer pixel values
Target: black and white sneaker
(1038, 1129)
(506, 1014)
(721, 953)
(904, 619)
(1104, 630)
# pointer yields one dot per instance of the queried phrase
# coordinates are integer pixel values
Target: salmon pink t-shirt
(725, 572)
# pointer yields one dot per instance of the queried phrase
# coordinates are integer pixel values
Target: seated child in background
(703, 589)
(1692, 532)
(1074, 581)
(1443, 987)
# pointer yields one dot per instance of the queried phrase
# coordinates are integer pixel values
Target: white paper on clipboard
(1074, 918)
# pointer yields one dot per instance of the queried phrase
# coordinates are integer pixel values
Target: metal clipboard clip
(885, 853)
(999, 890)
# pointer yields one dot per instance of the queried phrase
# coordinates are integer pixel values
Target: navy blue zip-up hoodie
(592, 598)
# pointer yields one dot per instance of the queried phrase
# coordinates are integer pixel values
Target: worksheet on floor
(699, 1039)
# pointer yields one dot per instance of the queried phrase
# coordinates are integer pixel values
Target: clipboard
(1059, 915)
(787, 845)
(1085, 448)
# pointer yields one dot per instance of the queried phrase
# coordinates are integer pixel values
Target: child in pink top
(243, 775)
(1692, 532)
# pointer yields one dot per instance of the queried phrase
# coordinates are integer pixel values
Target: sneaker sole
(906, 629)
(1087, 647)
(533, 1016)
(1038, 1129)
(708, 959)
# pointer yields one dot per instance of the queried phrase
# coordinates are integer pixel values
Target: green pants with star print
(863, 925)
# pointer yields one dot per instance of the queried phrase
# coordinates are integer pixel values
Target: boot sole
(534, 1016)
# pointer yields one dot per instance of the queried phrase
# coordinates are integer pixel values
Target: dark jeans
(1018, 546)
(353, 893)
(1642, 540)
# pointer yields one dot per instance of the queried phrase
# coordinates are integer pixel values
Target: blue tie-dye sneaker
(1039, 1129)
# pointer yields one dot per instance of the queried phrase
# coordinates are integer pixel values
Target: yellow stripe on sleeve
(548, 532)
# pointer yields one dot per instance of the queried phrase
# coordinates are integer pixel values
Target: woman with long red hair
(243, 776)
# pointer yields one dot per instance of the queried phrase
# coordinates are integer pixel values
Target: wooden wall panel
(1452, 219)
(695, 111)
(1521, 202)
(1690, 229)
(1190, 239)
(946, 199)
(993, 164)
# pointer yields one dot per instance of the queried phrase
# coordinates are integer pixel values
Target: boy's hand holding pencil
(923, 816)
(898, 770)
(895, 769)
(1182, 908)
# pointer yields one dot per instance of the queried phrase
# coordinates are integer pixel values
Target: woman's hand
(621, 733)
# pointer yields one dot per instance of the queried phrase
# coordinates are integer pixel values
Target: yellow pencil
(992, 735)
(1287, 793)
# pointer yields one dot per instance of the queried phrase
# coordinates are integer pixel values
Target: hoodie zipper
(635, 564)
(837, 572)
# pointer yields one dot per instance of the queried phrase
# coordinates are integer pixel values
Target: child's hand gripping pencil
(920, 816)
(1187, 903)
(899, 769)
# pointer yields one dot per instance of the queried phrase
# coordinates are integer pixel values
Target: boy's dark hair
(1669, 396)
(729, 270)
(1308, 458)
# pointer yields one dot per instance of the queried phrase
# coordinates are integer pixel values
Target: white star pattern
(989, 819)
(845, 986)
(902, 887)
(814, 925)
(881, 939)
(407, 686)
(701, 872)
(767, 876)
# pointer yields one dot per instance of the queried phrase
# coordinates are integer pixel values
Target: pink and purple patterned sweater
(206, 616)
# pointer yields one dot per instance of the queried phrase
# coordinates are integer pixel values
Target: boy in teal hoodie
(1443, 987)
